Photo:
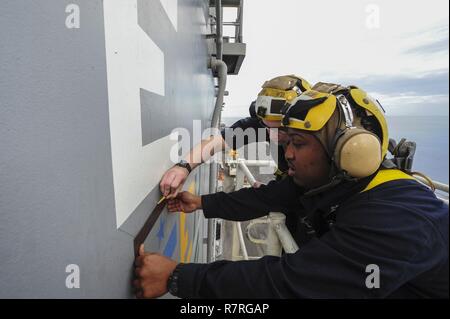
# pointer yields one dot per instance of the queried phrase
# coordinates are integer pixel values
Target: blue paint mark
(171, 243)
(160, 234)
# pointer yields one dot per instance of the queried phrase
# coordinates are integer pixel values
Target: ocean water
(431, 136)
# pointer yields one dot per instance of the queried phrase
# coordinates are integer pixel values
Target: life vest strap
(386, 175)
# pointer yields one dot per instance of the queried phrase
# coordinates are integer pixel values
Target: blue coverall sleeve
(250, 203)
(334, 265)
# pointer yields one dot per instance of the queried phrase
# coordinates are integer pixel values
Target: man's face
(308, 162)
(277, 134)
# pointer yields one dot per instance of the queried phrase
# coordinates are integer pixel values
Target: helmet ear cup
(358, 152)
(252, 109)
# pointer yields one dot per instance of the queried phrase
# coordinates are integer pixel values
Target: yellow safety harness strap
(386, 175)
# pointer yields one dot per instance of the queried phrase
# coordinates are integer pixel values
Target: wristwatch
(185, 165)
(172, 282)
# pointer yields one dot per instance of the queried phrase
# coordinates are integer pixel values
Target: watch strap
(185, 165)
(172, 282)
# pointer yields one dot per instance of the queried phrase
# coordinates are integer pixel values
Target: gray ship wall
(69, 99)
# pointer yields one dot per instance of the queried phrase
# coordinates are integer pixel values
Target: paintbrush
(161, 200)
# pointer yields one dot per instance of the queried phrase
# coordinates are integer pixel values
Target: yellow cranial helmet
(350, 125)
(275, 93)
(373, 115)
(310, 111)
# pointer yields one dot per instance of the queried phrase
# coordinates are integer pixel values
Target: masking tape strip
(148, 225)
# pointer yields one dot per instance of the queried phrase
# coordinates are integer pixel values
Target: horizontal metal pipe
(438, 185)
(258, 162)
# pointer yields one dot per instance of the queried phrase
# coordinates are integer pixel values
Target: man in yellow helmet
(265, 113)
(379, 233)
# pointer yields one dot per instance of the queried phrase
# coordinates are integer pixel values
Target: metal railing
(237, 24)
(441, 189)
(278, 236)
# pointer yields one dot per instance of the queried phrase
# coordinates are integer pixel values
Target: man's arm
(174, 178)
(250, 203)
(333, 266)
(203, 151)
(245, 204)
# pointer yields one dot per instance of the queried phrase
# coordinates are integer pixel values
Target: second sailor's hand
(184, 202)
(172, 181)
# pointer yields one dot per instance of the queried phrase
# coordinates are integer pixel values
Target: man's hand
(257, 184)
(152, 272)
(172, 181)
(184, 202)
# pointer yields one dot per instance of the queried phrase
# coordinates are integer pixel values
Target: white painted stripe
(134, 61)
(149, 64)
(171, 8)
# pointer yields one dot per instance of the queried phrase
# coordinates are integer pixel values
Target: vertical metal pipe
(219, 35)
(277, 221)
(241, 23)
(210, 252)
(241, 240)
(220, 68)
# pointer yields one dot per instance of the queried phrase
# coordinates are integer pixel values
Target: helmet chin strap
(336, 177)
(334, 181)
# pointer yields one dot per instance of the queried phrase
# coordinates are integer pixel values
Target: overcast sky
(403, 62)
